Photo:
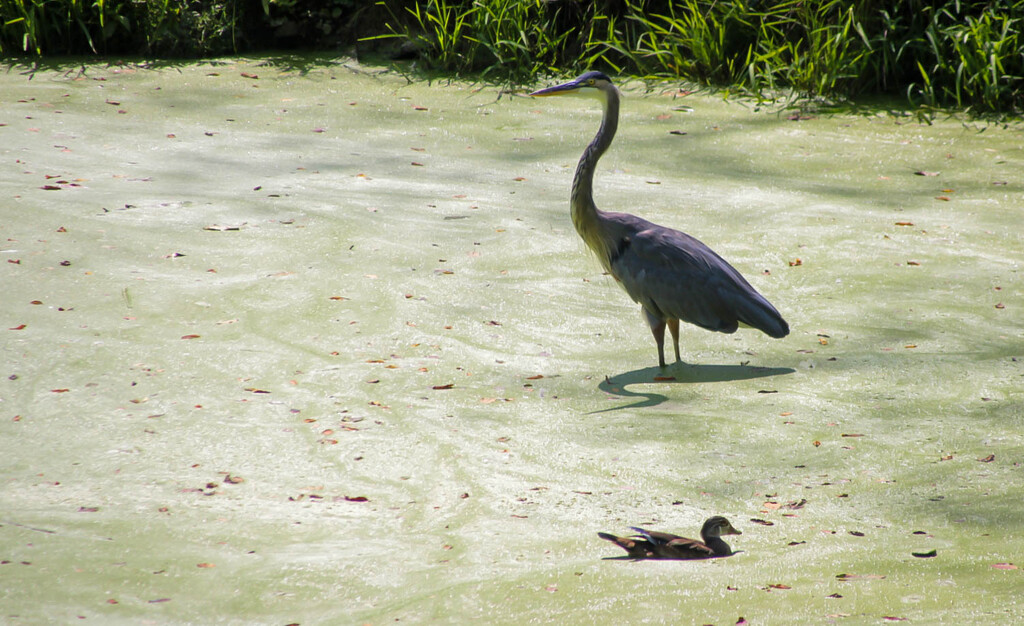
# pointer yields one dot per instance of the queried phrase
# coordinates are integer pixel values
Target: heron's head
(593, 84)
(717, 526)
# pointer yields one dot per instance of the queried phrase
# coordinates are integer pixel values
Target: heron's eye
(590, 81)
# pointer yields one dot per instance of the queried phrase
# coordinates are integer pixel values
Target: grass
(951, 53)
(935, 54)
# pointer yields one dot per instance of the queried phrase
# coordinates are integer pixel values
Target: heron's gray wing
(675, 276)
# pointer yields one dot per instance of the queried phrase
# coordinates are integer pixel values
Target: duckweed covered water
(290, 343)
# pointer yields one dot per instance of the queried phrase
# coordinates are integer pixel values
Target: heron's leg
(658, 330)
(673, 327)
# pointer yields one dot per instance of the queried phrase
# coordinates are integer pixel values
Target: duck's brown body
(648, 544)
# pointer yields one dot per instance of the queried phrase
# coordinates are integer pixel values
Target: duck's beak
(558, 90)
(729, 530)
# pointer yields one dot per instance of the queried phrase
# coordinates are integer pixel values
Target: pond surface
(312, 344)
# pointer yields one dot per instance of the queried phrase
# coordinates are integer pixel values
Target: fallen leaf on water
(18, 327)
(904, 223)
(833, 595)
(159, 600)
(551, 588)
(356, 499)
(851, 435)
(891, 618)
(1000, 305)
(779, 586)
(94, 509)
(796, 263)
(856, 533)
(59, 390)
(1006, 566)
(988, 459)
(205, 565)
(664, 378)
(535, 377)
(924, 173)
(925, 555)
(761, 522)
(248, 75)
(256, 390)
(445, 386)
(233, 480)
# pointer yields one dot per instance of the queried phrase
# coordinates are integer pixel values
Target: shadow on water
(678, 373)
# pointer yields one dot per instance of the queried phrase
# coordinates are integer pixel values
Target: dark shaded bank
(948, 53)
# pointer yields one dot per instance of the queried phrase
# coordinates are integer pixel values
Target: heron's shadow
(679, 373)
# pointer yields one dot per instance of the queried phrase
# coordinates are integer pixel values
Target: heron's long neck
(585, 215)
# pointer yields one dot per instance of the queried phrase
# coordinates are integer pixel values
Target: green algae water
(309, 343)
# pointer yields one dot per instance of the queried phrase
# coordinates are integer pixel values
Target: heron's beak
(558, 90)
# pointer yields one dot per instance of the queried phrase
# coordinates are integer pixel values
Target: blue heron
(673, 276)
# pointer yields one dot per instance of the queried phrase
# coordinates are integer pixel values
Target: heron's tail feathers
(758, 313)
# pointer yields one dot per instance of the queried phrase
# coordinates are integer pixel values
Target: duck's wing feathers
(638, 548)
(669, 546)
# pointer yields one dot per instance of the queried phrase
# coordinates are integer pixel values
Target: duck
(652, 544)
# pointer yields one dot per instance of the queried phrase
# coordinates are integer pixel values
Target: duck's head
(716, 527)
